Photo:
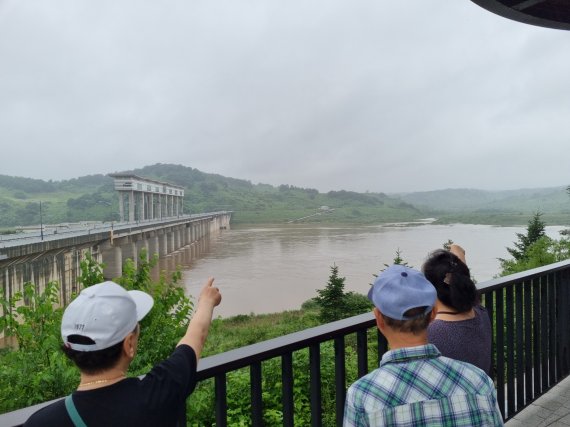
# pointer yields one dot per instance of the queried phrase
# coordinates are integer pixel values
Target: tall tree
(534, 231)
(542, 252)
(332, 298)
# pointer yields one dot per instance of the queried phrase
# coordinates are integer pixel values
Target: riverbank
(496, 219)
(246, 329)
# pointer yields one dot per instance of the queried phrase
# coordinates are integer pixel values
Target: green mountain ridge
(547, 200)
(93, 198)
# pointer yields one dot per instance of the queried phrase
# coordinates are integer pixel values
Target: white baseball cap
(106, 313)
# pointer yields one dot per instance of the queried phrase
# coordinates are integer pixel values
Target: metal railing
(530, 316)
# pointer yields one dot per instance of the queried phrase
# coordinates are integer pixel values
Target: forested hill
(462, 204)
(93, 198)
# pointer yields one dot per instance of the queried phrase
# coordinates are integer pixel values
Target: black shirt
(156, 400)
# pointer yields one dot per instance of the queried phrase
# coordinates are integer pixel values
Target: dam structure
(151, 219)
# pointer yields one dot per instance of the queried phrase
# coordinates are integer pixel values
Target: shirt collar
(427, 351)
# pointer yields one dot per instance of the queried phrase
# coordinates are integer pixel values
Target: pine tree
(332, 298)
(534, 231)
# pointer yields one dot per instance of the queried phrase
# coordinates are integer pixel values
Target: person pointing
(100, 331)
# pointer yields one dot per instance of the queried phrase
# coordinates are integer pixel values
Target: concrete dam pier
(40, 259)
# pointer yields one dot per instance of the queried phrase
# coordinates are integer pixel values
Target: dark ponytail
(460, 292)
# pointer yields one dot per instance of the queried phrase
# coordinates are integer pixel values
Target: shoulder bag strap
(73, 414)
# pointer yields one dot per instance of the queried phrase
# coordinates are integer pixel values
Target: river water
(271, 269)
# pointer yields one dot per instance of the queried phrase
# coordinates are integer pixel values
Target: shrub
(37, 370)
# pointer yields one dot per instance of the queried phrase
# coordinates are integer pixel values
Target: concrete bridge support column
(130, 251)
(113, 260)
(179, 238)
(142, 244)
(153, 246)
(180, 233)
(188, 233)
(163, 244)
(171, 241)
(176, 238)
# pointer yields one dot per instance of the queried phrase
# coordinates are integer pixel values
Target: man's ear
(129, 345)
(380, 323)
(433, 313)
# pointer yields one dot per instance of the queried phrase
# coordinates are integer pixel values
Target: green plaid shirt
(417, 386)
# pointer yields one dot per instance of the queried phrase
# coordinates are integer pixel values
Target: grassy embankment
(241, 330)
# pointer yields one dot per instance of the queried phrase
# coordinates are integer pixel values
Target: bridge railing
(62, 231)
(530, 315)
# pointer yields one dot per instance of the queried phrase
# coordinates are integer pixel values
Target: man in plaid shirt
(415, 385)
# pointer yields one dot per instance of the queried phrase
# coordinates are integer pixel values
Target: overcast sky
(378, 95)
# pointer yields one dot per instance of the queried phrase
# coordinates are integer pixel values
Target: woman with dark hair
(461, 329)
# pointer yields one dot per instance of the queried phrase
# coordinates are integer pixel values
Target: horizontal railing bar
(501, 282)
(245, 356)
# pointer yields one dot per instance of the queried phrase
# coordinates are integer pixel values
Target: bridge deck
(552, 409)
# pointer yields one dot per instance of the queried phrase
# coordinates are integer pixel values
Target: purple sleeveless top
(466, 340)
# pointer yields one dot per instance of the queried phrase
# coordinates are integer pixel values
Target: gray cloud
(329, 94)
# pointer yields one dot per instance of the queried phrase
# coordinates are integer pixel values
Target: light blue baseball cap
(399, 289)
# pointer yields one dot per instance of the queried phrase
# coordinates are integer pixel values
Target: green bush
(37, 370)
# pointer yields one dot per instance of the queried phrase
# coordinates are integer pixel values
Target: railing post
(221, 401)
(544, 332)
(287, 381)
(520, 354)
(340, 378)
(490, 307)
(362, 351)
(536, 336)
(500, 349)
(382, 345)
(528, 348)
(256, 394)
(510, 319)
(315, 368)
(562, 322)
(552, 330)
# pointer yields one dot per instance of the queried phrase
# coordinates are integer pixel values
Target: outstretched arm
(199, 326)
(458, 251)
